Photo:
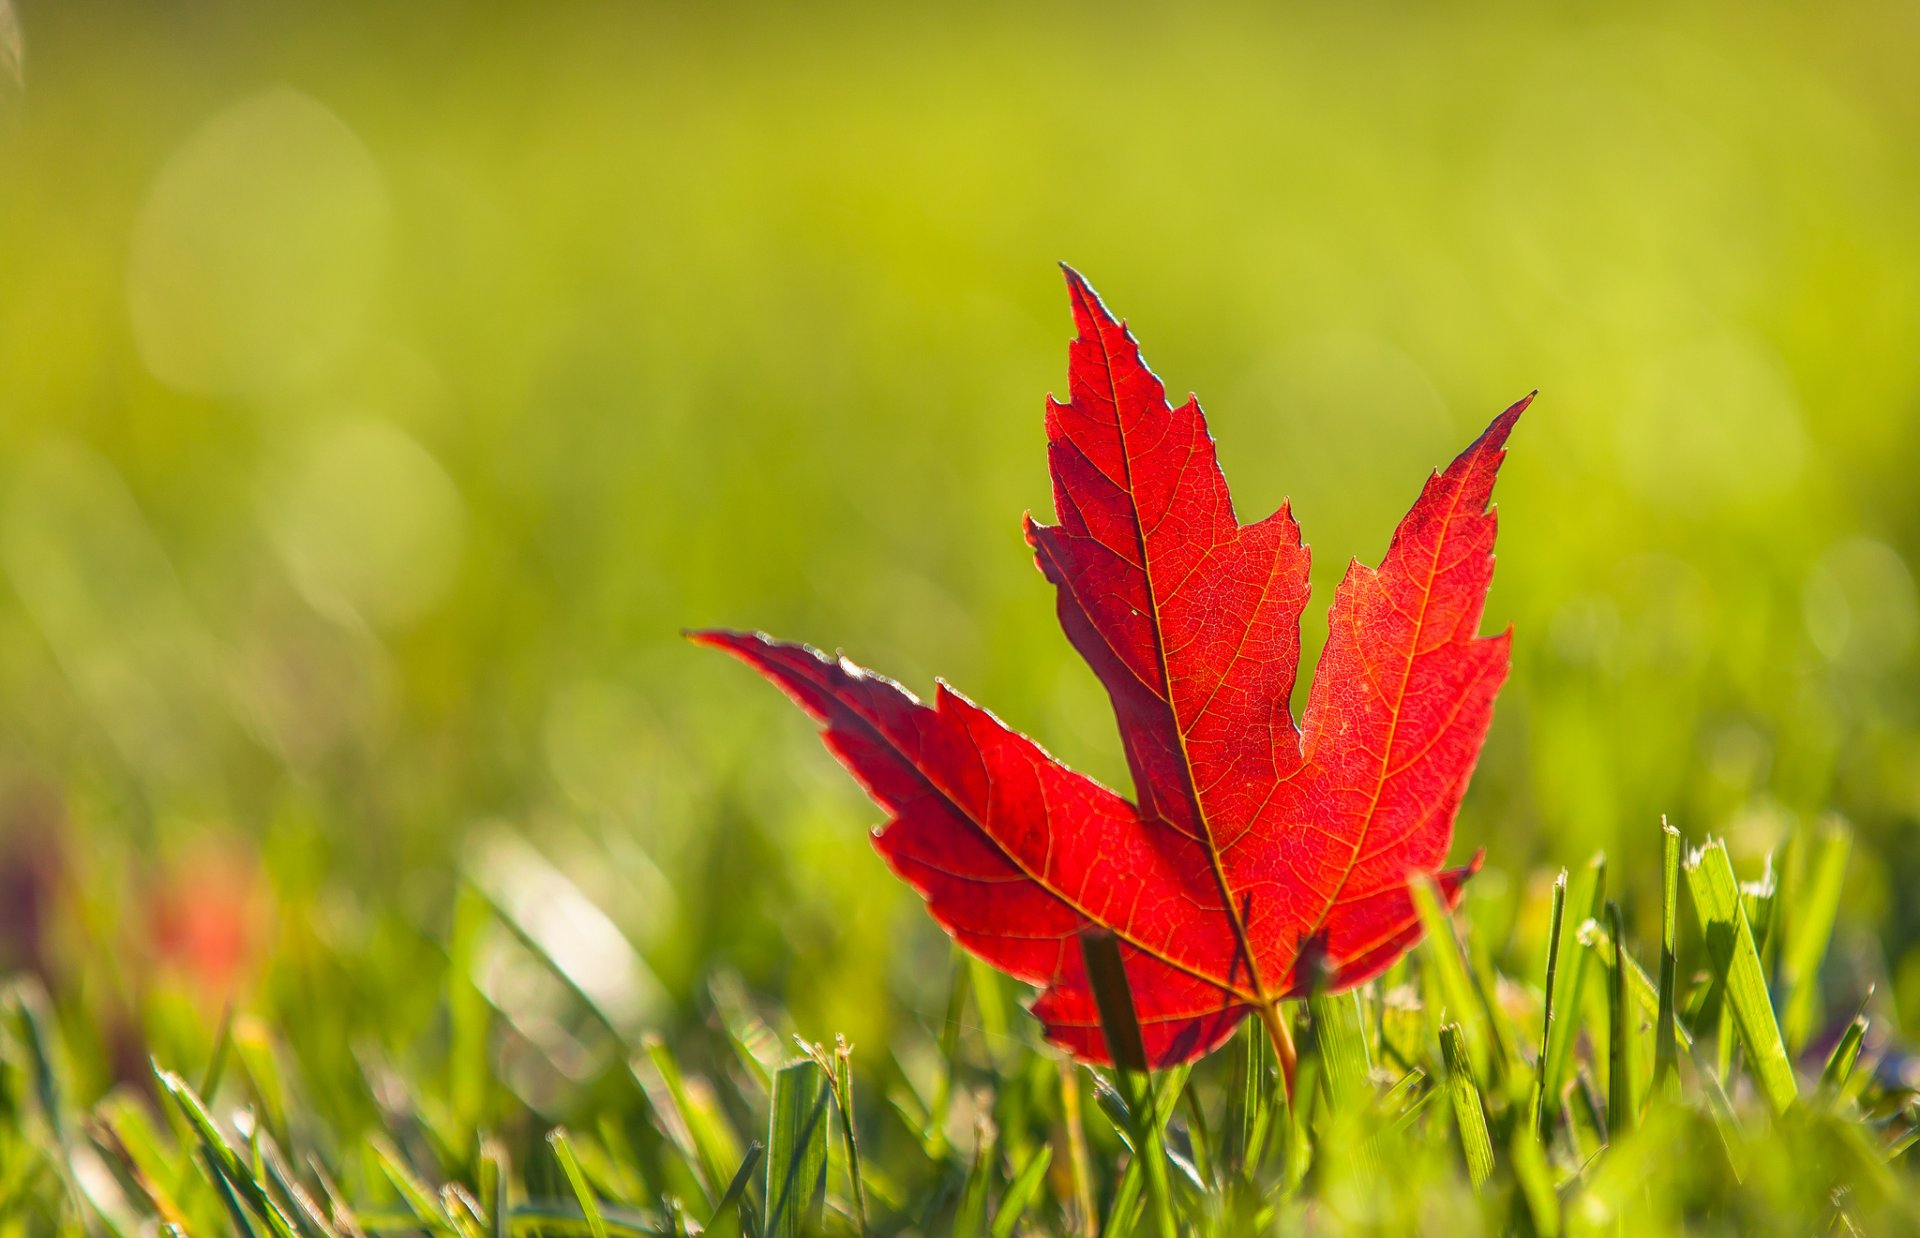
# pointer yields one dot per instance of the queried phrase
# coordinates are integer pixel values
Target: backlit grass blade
(736, 1191)
(1808, 927)
(419, 1201)
(970, 1216)
(563, 1152)
(1108, 976)
(714, 1140)
(1666, 1041)
(1642, 992)
(1456, 987)
(1587, 897)
(1723, 921)
(1535, 1178)
(1020, 1195)
(495, 1180)
(1840, 1063)
(220, 1157)
(797, 1149)
(1337, 1026)
(1468, 1113)
(1541, 1102)
(1623, 1109)
(843, 1101)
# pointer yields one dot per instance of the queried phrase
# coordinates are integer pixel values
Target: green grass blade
(797, 1149)
(1468, 1113)
(220, 1155)
(1641, 990)
(969, 1218)
(1623, 1110)
(843, 1102)
(413, 1192)
(1339, 1029)
(1020, 1195)
(1535, 1178)
(1108, 976)
(737, 1189)
(563, 1152)
(1723, 921)
(1666, 1040)
(1840, 1063)
(715, 1144)
(1555, 920)
(1587, 897)
(1252, 1118)
(1814, 906)
(1456, 987)
(495, 1180)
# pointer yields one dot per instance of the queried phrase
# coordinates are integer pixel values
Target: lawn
(384, 388)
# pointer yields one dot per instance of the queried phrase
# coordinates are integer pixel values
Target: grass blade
(1555, 920)
(1456, 987)
(1342, 1037)
(496, 1183)
(1535, 1179)
(1623, 1110)
(1840, 1063)
(1814, 904)
(1716, 896)
(1019, 1196)
(1588, 899)
(714, 1141)
(797, 1149)
(1666, 1041)
(737, 1189)
(1468, 1113)
(563, 1152)
(1108, 976)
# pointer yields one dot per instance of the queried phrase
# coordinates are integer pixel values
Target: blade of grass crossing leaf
(1020, 1195)
(1809, 928)
(1588, 899)
(1716, 896)
(797, 1149)
(1666, 1041)
(1456, 987)
(1108, 976)
(1555, 916)
(563, 1152)
(1468, 1113)
(1623, 1110)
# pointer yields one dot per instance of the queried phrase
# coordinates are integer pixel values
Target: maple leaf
(1259, 861)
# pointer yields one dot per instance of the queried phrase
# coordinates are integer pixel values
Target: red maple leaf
(1260, 861)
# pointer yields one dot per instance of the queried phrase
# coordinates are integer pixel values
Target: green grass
(1397, 1127)
(384, 387)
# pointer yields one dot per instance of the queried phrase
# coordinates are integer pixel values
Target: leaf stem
(1282, 1037)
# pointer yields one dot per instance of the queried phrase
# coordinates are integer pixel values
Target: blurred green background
(382, 387)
